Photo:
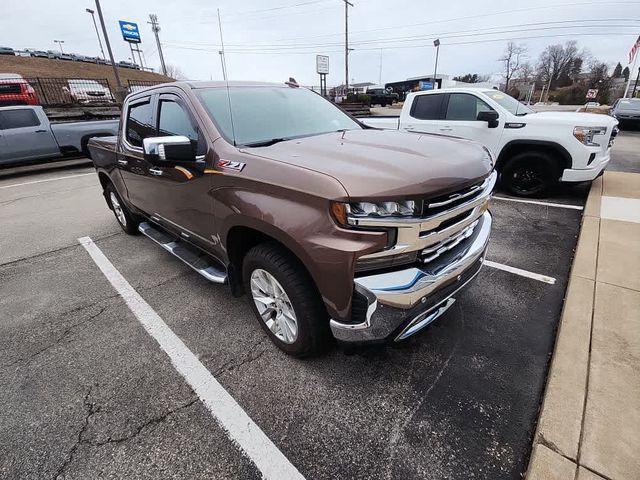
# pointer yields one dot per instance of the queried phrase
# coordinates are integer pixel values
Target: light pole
(59, 42)
(92, 12)
(436, 43)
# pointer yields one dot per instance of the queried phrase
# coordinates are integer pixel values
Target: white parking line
(522, 273)
(536, 202)
(46, 180)
(232, 418)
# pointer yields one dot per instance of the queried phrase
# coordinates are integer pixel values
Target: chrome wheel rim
(117, 209)
(274, 306)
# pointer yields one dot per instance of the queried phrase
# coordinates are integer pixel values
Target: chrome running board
(202, 263)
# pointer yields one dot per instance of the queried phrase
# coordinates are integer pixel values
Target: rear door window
(427, 107)
(140, 123)
(18, 118)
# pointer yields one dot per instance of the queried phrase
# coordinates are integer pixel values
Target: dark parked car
(7, 51)
(627, 112)
(380, 96)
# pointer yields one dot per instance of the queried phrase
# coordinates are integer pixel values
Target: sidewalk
(589, 425)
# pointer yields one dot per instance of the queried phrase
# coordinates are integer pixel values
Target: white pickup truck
(533, 151)
(26, 134)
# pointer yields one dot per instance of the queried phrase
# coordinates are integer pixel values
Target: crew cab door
(25, 136)
(138, 124)
(179, 191)
(461, 120)
(425, 114)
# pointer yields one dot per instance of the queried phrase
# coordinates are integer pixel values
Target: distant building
(413, 84)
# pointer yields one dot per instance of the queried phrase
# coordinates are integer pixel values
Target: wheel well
(240, 240)
(104, 179)
(554, 151)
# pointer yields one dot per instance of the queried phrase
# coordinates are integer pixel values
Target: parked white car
(533, 151)
(88, 91)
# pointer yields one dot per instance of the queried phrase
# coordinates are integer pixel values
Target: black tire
(313, 333)
(529, 174)
(129, 222)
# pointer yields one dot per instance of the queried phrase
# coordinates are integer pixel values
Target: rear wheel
(285, 300)
(126, 219)
(529, 174)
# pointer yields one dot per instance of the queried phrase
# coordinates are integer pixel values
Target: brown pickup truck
(331, 227)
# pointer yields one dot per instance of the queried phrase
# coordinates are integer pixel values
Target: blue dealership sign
(130, 32)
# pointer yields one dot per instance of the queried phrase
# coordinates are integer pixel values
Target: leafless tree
(512, 60)
(174, 72)
(560, 64)
(526, 72)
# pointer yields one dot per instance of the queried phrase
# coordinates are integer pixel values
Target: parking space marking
(536, 202)
(46, 180)
(522, 273)
(232, 418)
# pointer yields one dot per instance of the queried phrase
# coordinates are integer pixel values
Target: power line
(430, 45)
(449, 34)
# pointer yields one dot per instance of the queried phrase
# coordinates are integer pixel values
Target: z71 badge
(230, 165)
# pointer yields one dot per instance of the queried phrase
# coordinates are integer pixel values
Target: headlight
(488, 154)
(357, 210)
(382, 209)
(585, 135)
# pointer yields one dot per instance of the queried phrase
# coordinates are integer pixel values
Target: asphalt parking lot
(88, 393)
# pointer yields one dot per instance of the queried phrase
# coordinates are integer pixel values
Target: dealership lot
(88, 392)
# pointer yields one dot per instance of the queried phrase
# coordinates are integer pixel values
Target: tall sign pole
(347, 4)
(108, 44)
(436, 43)
(156, 28)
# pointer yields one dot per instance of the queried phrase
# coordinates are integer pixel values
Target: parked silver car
(88, 91)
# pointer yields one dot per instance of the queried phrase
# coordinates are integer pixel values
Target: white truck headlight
(585, 135)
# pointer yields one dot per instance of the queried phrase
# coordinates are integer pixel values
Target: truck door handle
(155, 171)
(122, 162)
(41, 131)
(445, 129)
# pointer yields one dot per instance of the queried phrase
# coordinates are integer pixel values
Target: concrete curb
(580, 435)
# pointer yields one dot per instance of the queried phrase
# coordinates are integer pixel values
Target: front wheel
(529, 175)
(285, 300)
(126, 219)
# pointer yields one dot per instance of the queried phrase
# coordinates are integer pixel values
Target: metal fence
(135, 85)
(64, 92)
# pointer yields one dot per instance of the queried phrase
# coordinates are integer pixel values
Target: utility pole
(223, 58)
(92, 12)
(347, 4)
(155, 26)
(120, 89)
(59, 42)
(436, 43)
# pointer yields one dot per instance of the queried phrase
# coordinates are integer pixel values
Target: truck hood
(386, 164)
(574, 119)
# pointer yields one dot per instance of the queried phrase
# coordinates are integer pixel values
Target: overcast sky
(270, 40)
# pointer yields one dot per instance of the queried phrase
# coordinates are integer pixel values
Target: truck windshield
(508, 102)
(265, 115)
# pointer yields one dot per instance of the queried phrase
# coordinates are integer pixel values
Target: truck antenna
(226, 79)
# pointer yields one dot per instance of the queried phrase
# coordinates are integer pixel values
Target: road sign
(426, 86)
(592, 93)
(322, 64)
(130, 32)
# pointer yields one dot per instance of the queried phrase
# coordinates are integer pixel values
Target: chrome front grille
(446, 223)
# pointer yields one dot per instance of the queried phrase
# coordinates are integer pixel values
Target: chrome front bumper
(402, 302)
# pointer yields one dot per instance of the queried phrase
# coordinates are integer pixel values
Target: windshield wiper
(266, 143)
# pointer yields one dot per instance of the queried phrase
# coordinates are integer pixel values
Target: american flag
(634, 49)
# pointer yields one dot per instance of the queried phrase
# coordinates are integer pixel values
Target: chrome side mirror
(170, 149)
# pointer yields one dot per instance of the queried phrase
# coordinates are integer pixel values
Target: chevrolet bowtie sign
(130, 32)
